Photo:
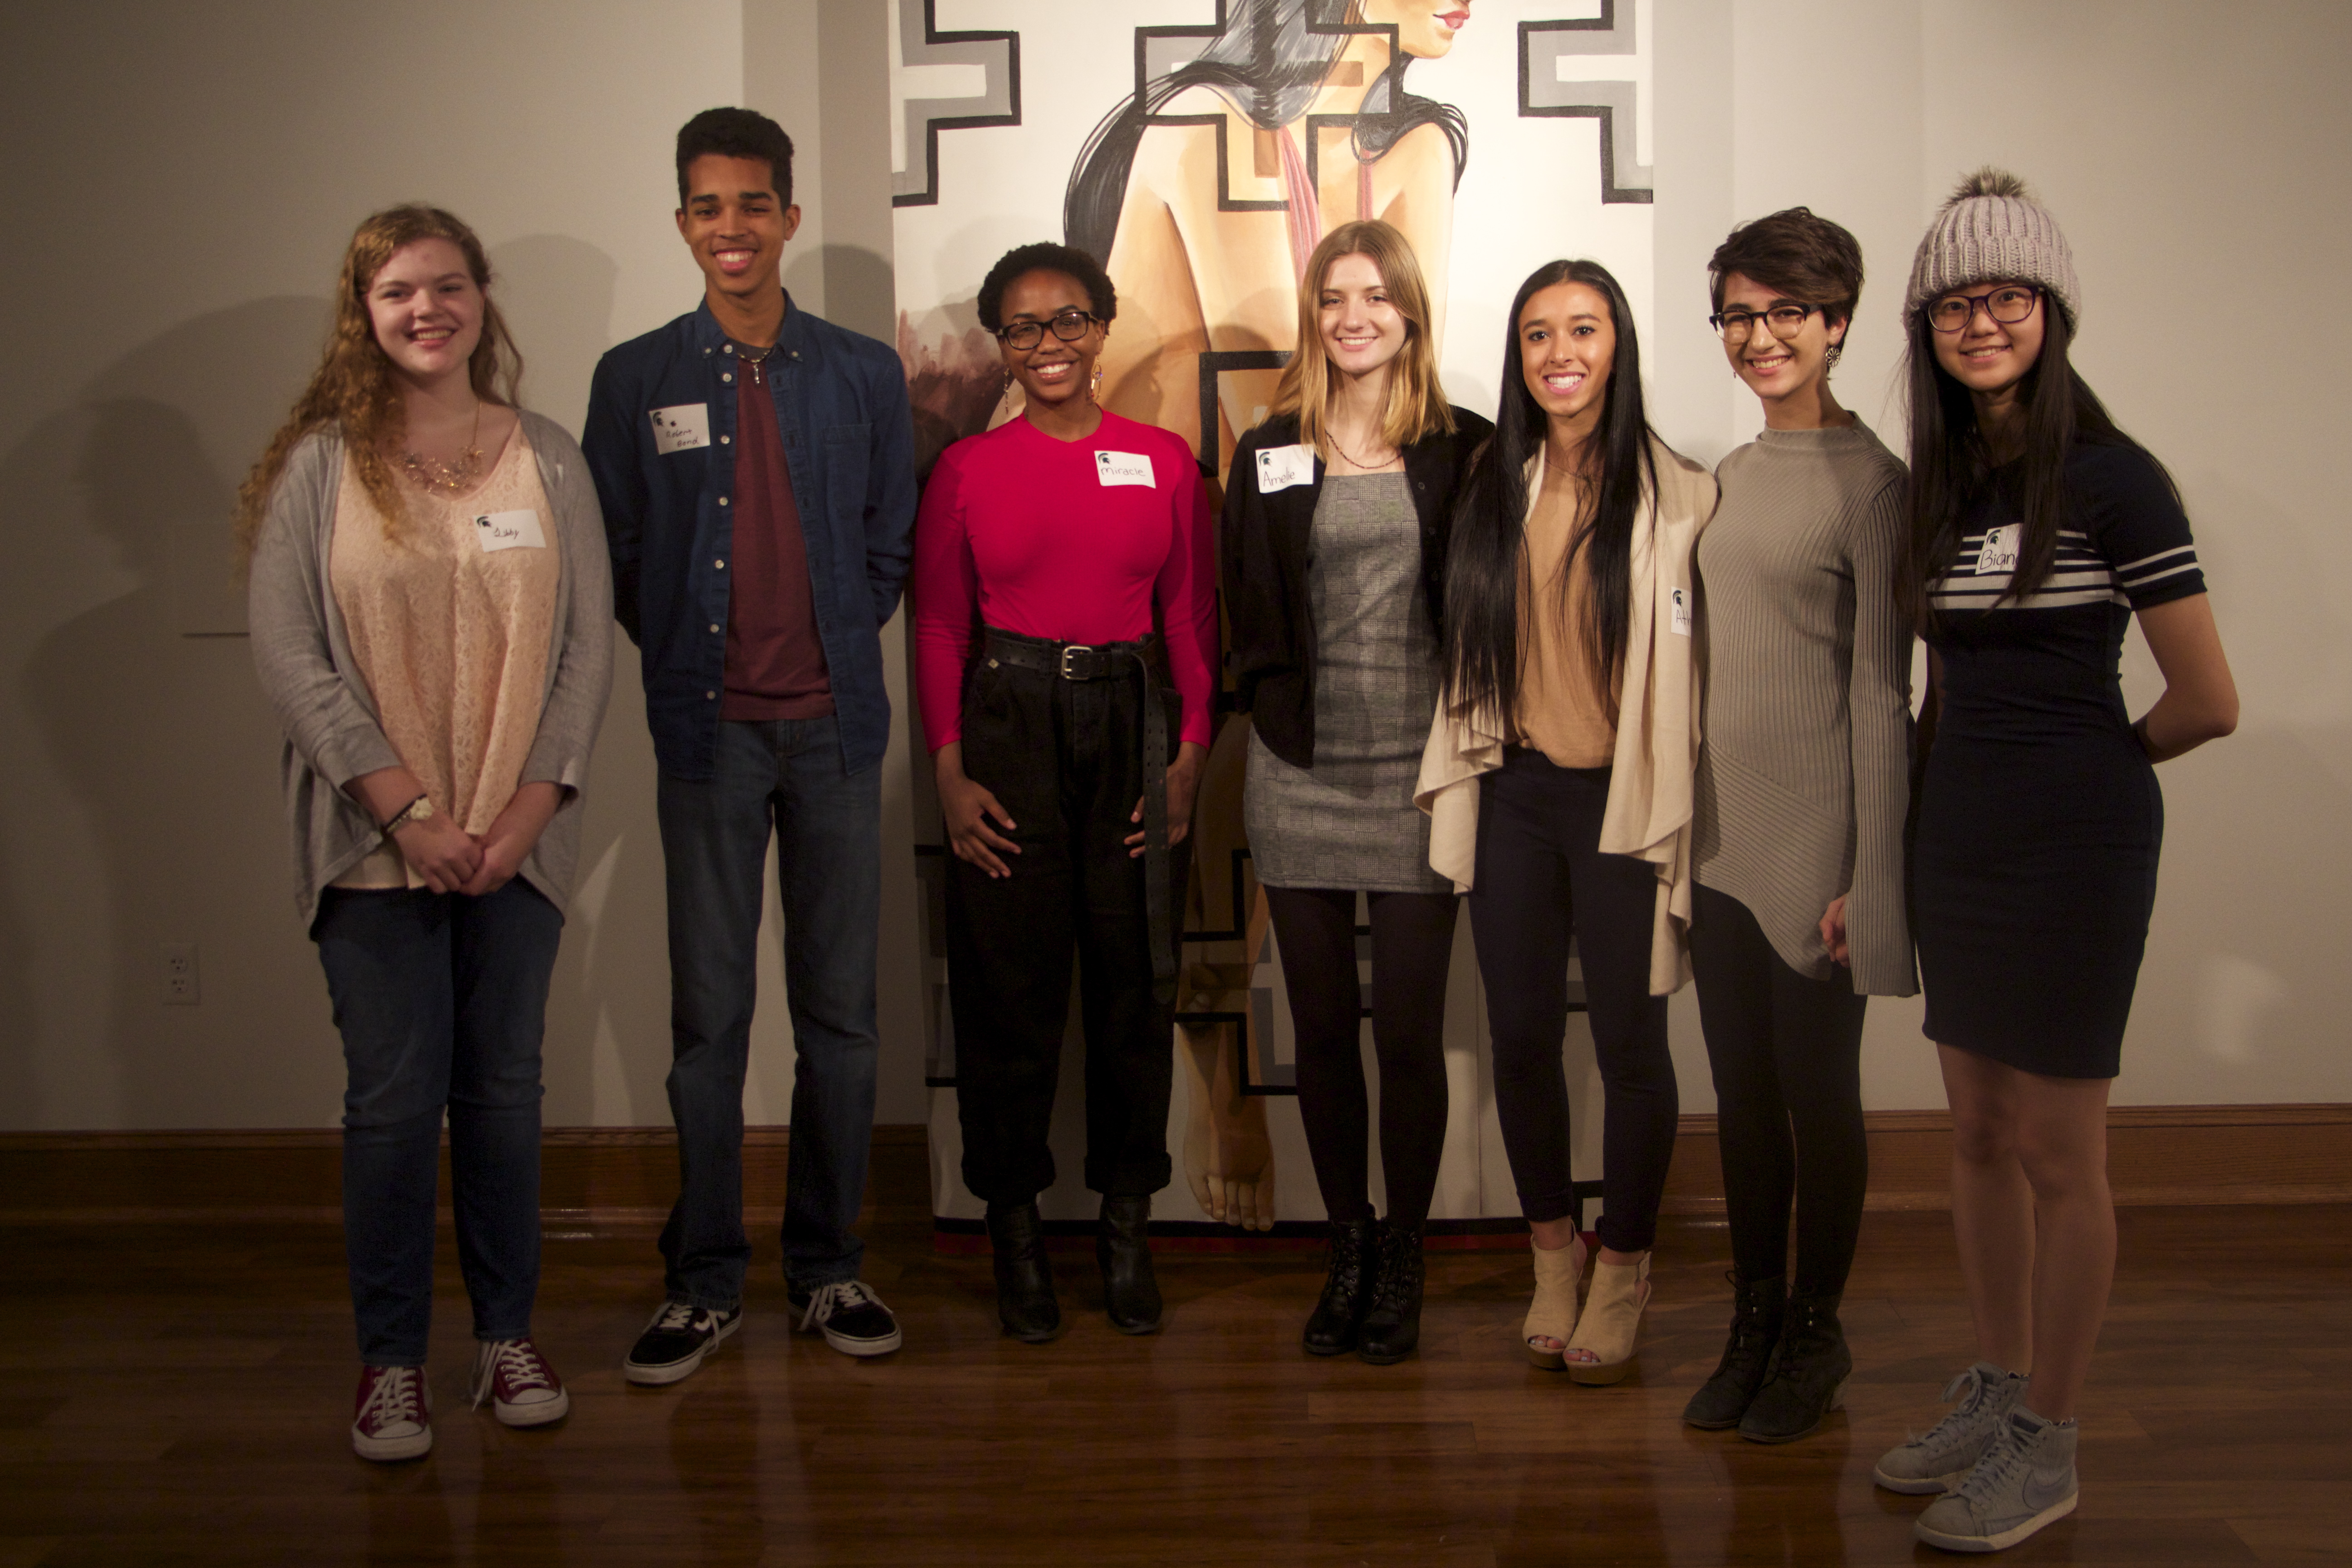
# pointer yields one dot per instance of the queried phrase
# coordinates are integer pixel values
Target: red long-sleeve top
(1064, 540)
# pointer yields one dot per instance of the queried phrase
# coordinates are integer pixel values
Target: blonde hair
(353, 388)
(1417, 403)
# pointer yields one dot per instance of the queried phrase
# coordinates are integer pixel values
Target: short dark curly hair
(1044, 256)
(1798, 252)
(736, 133)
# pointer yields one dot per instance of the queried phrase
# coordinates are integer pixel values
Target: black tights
(1786, 1055)
(1412, 945)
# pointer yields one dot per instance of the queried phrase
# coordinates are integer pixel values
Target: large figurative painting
(1201, 149)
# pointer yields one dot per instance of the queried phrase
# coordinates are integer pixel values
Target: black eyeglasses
(1786, 322)
(1070, 326)
(2009, 304)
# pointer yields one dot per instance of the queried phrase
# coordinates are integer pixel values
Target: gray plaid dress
(1350, 820)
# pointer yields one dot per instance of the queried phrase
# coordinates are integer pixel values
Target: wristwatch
(417, 810)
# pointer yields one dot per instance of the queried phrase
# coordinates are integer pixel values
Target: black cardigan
(1263, 545)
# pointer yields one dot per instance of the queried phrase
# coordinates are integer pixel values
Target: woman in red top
(1065, 573)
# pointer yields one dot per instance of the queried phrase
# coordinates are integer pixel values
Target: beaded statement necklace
(453, 478)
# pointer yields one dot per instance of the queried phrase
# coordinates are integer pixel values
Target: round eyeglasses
(1070, 326)
(1786, 322)
(2009, 304)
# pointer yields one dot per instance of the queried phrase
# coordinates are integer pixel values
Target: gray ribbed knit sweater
(1804, 768)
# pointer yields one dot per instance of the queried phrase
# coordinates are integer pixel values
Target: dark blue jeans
(442, 1002)
(783, 776)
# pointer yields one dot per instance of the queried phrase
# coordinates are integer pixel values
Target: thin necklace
(431, 473)
(1351, 457)
(759, 377)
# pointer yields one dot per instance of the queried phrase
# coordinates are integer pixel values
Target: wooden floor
(179, 1396)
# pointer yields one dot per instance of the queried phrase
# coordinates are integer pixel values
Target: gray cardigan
(307, 670)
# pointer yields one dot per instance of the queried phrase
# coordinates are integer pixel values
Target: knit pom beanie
(1990, 229)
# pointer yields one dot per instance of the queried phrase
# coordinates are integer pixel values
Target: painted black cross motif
(1545, 51)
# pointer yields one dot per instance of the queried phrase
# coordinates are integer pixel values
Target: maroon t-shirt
(775, 665)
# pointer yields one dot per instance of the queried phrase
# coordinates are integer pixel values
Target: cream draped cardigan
(1648, 814)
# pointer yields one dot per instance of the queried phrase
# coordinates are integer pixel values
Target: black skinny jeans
(1065, 759)
(1786, 1052)
(1413, 944)
(1541, 879)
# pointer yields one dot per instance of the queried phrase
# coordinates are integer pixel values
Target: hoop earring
(1830, 360)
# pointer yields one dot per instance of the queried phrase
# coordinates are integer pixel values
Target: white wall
(182, 181)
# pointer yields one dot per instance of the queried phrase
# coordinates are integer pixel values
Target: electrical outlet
(180, 986)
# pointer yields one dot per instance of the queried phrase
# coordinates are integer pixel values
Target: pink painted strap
(1302, 213)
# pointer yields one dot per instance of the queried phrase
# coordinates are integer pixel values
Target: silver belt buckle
(1068, 649)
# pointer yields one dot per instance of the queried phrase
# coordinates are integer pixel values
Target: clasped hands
(444, 856)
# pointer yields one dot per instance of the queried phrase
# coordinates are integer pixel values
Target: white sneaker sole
(534, 1415)
(680, 1370)
(1921, 1486)
(2006, 1539)
(385, 1450)
(848, 1346)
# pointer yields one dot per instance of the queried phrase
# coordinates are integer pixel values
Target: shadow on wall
(556, 293)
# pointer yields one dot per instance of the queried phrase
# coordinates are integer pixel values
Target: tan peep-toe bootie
(1552, 1314)
(1611, 1320)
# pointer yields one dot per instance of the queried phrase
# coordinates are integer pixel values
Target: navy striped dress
(2033, 870)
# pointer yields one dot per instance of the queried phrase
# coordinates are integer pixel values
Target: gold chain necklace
(1352, 457)
(431, 473)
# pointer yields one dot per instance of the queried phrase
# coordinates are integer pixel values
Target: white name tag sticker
(1679, 620)
(1123, 469)
(1280, 468)
(681, 427)
(510, 530)
(1999, 552)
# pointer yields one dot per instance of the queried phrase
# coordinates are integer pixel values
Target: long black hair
(1269, 58)
(1952, 467)
(1485, 561)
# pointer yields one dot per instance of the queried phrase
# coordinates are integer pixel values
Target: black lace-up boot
(1392, 1323)
(1024, 1281)
(1756, 1312)
(1807, 1377)
(1347, 1289)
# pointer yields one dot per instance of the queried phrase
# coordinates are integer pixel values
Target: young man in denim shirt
(756, 468)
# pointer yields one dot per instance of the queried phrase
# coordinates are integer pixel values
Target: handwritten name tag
(1999, 552)
(681, 427)
(510, 530)
(1123, 469)
(1280, 468)
(1679, 613)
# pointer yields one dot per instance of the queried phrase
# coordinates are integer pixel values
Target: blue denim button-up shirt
(841, 407)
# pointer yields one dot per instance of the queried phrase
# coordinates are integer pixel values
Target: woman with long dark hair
(1205, 193)
(2039, 531)
(1335, 535)
(1557, 778)
(432, 614)
(1803, 783)
(1065, 578)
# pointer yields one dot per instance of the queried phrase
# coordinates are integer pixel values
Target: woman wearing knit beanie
(1803, 782)
(2038, 530)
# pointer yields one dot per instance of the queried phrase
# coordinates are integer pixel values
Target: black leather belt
(1111, 661)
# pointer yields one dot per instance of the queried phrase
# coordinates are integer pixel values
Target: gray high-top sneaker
(1938, 1459)
(2025, 1480)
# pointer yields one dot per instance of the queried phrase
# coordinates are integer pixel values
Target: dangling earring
(1094, 386)
(1829, 361)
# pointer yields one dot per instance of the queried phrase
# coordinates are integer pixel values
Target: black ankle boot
(1347, 1290)
(1024, 1281)
(1807, 1378)
(1756, 1312)
(1131, 1289)
(1392, 1322)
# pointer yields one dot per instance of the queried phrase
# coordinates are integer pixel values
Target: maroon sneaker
(522, 1389)
(389, 1419)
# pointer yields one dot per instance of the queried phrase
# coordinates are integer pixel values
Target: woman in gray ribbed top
(1803, 782)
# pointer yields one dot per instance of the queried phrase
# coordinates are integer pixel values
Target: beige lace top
(451, 637)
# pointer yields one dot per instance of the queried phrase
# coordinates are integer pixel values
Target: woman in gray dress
(1334, 539)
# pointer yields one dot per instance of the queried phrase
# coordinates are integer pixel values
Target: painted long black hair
(1951, 466)
(1484, 566)
(1269, 58)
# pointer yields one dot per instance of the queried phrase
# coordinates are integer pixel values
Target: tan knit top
(451, 637)
(1804, 776)
(1563, 711)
